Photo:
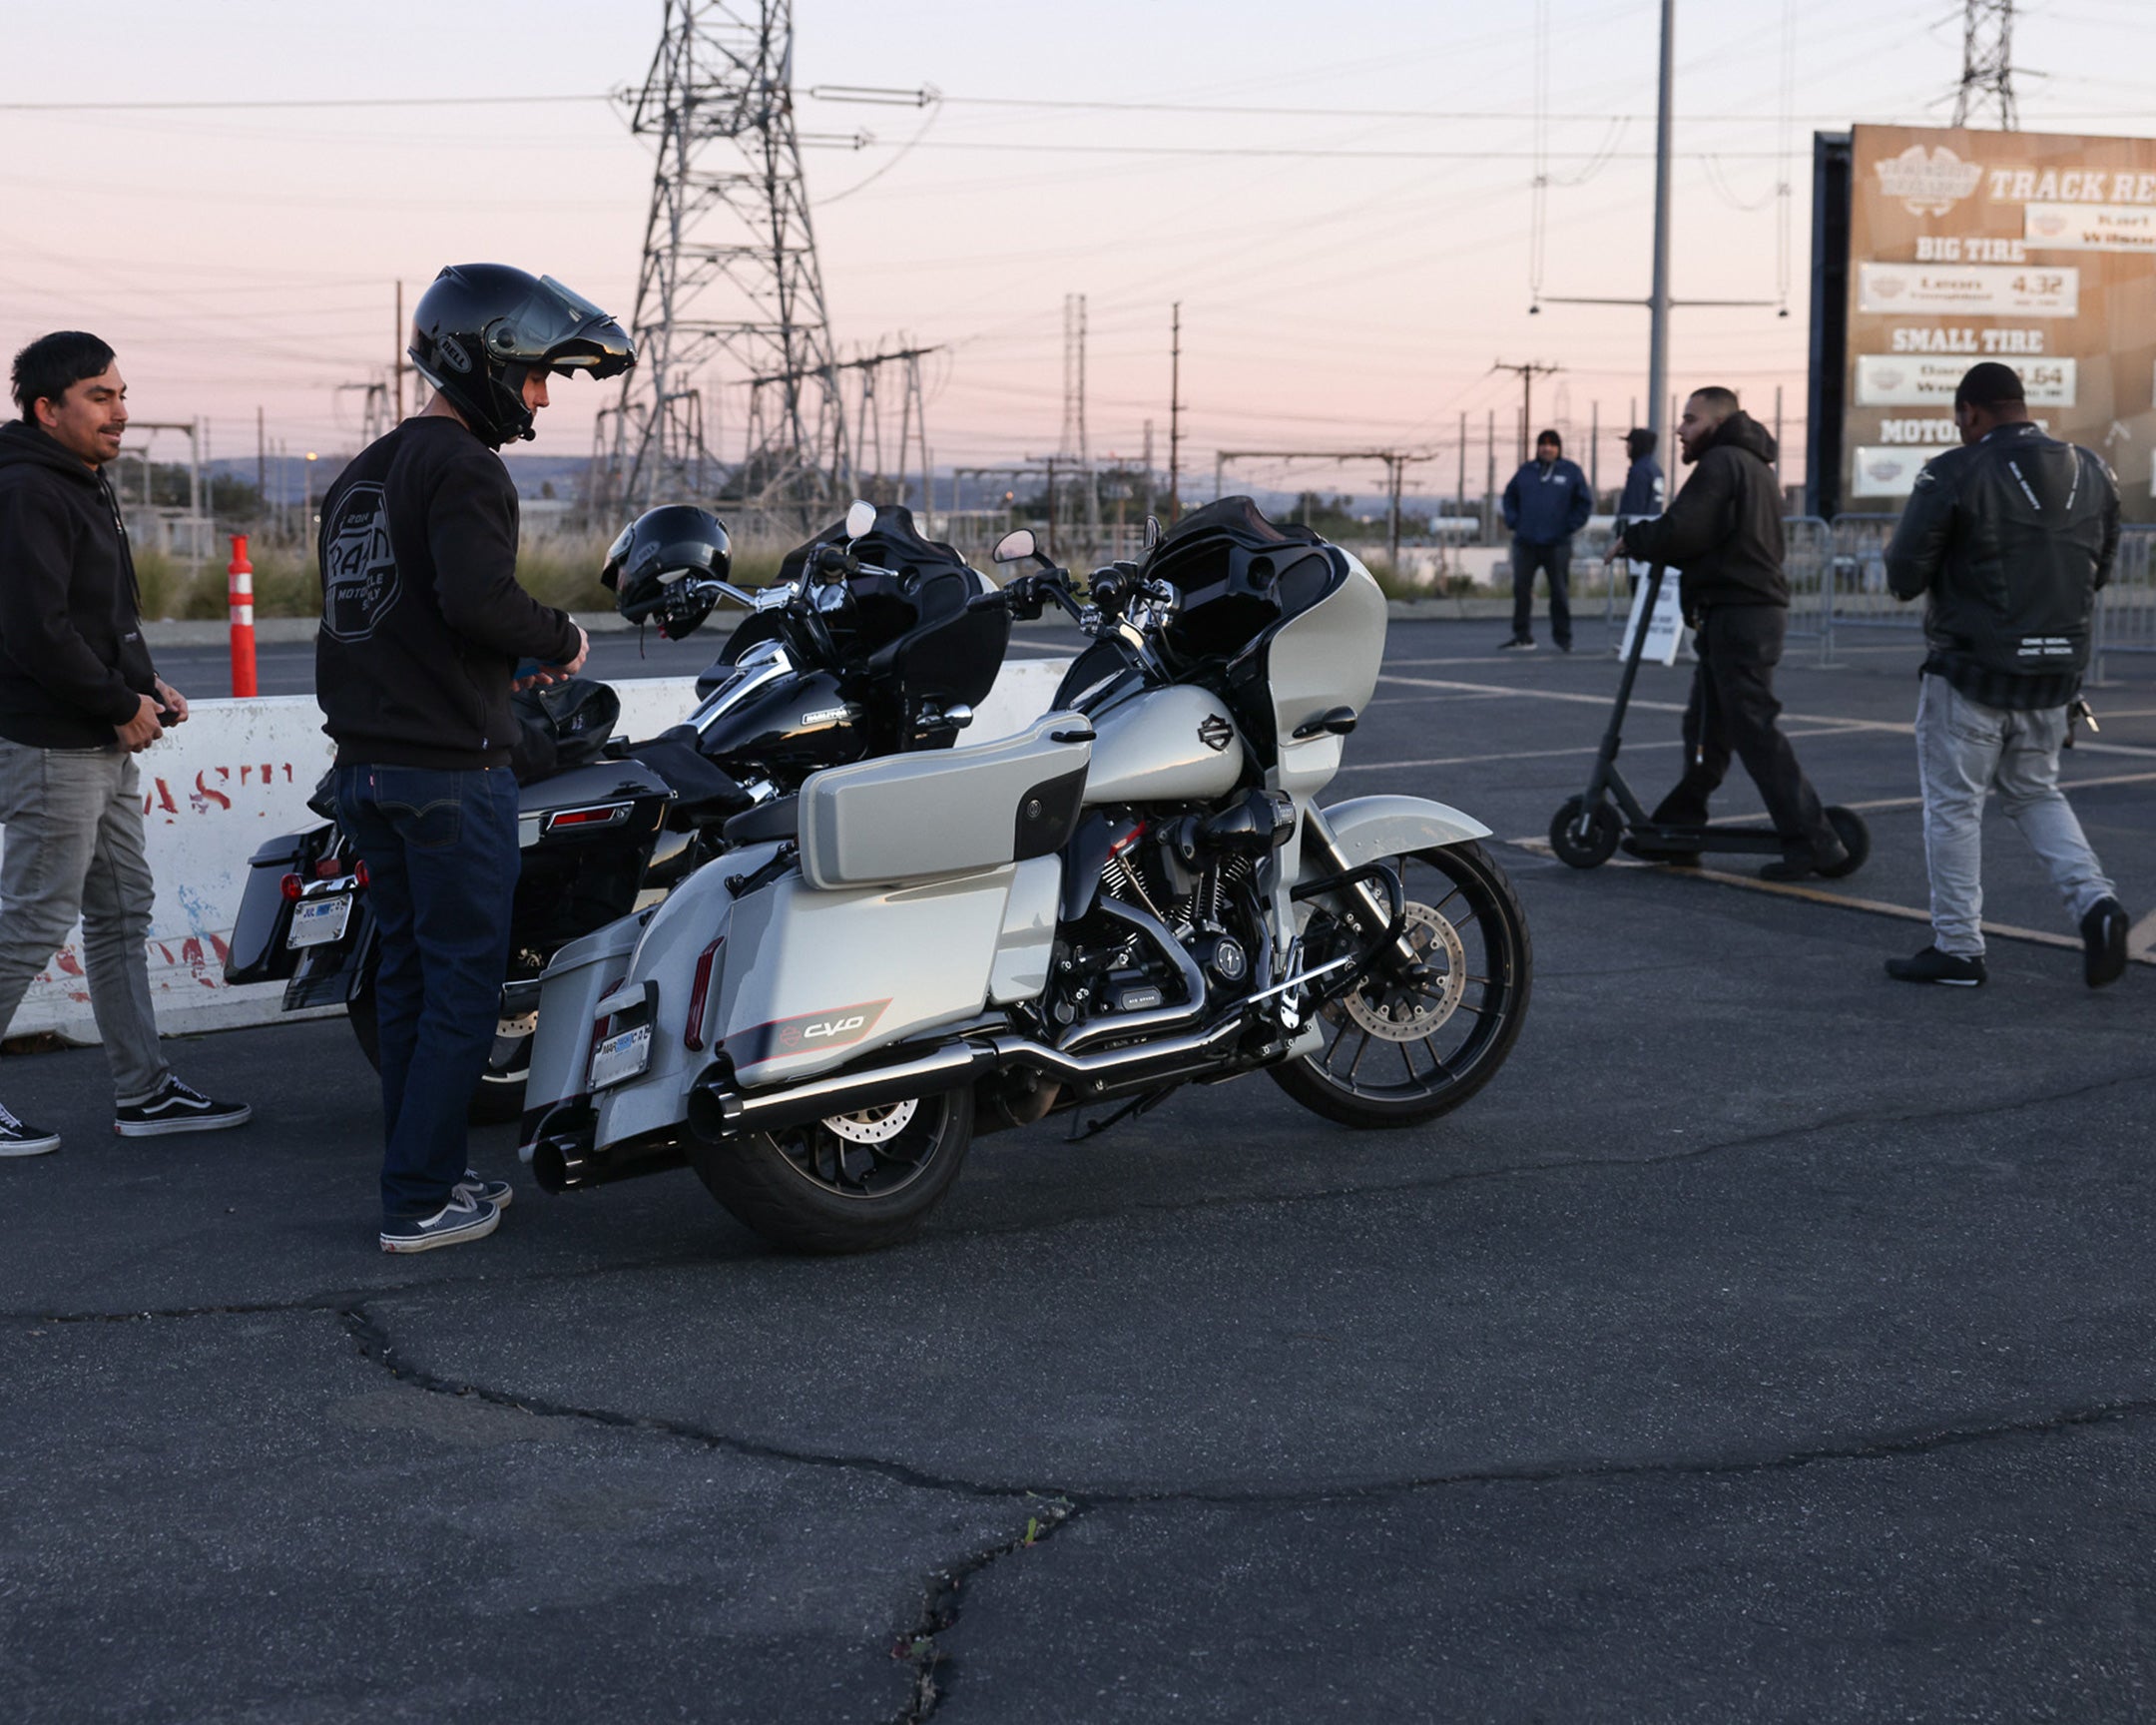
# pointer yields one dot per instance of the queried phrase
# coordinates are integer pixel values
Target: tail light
(693, 1031)
(291, 887)
(359, 873)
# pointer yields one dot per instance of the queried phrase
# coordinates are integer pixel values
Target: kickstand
(1137, 1105)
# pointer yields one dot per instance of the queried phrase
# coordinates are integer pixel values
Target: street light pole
(1658, 303)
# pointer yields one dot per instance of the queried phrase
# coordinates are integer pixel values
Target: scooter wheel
(1584, 838)
(1855, 836)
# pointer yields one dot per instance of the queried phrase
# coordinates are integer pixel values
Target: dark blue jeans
(1556, 561)
(441, 857)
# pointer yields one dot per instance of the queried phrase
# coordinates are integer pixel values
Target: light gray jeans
(74, 846)
(1964, 749)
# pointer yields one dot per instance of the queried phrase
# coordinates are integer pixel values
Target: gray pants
(1963, 748)
(74, 846)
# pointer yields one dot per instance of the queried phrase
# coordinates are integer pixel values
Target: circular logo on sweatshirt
(359, 572)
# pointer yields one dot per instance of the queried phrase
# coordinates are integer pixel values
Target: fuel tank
(797, 722)
(1164, 745)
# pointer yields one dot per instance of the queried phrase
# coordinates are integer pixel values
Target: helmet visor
(558, 328)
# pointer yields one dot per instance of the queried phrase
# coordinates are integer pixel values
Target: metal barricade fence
(2127, 608)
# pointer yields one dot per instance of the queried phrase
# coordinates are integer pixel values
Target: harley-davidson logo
(1215, 733)
(1928, 182)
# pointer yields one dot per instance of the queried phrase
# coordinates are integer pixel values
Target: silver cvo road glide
(1138, 891)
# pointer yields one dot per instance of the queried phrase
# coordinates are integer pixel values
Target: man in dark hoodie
(1724, 531)
(423, 626)
(78, 698)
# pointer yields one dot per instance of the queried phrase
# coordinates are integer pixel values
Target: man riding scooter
(1724, 531)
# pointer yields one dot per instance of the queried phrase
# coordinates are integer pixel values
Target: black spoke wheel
(852, 1183)
(498, 1097)
(1408, 1044)
(1855, 836)
(1584, 838)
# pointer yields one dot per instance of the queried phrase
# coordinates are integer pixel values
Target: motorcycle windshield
(558, 328)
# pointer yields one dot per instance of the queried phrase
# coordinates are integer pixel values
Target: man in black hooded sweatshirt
(78, 698)
(1724, 531)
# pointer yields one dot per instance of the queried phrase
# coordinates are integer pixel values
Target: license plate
(317, 921)
(621, 1056)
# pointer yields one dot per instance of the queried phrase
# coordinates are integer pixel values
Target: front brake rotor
(1397, 1011)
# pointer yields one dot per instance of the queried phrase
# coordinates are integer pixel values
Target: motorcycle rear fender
(258, 952)
(574, 983)
(331, 975)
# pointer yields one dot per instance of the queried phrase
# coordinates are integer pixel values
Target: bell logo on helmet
(450, 351)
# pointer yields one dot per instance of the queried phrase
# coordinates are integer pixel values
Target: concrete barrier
(239, 773)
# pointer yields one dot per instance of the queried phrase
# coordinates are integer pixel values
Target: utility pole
(1658, 296)
(398, 362)
(1175, 416)
(730, 273)
(1149, 466)
(1986, 64)
(1489, 483)
(262, 461)
(1464, 462)
(1594, 447)
(1527, 373)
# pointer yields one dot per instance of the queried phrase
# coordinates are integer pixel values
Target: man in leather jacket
(1724, 531)
(2009, 538)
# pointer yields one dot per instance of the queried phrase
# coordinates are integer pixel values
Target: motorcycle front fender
(1368, 828)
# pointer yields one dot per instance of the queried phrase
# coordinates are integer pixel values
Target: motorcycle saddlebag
(910, 816)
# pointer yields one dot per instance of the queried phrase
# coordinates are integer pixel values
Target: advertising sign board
(1960, 245)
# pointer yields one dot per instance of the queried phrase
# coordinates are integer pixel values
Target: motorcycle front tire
(807, 1189)
(497, 1099)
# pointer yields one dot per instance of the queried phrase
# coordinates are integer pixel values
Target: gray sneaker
(20, 1138)
(462, 1218)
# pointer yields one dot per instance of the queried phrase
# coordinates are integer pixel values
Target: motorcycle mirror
(1152, 531)
(1014, 548)
(860, 518)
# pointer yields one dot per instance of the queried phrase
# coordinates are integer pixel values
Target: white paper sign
(1887, 470)
(1666, 628)
(1929, 381)
(2090, 227)
(1985, 289)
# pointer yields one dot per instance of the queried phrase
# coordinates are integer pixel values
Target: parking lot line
(2145, 930)
(1552, 754)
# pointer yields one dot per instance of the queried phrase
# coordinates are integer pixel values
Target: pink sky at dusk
(245, 258)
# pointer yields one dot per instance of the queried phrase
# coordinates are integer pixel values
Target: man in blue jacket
(1547, 503)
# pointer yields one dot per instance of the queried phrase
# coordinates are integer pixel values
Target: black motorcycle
(866, 646)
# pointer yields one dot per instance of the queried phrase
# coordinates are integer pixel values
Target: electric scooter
(1586, 830)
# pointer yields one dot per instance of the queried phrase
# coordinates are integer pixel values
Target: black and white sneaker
(463, 1218)
(1516, 644)
(2103, 943)
(1932, 965)
(495, 1192)
(20, 1138)
(178, 1107)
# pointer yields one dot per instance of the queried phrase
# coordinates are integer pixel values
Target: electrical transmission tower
(1986, 64)
(1073, 449)
(729, 280)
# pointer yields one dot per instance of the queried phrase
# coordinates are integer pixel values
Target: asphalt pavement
(1770, 1341)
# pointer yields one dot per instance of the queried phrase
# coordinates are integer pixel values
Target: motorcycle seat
(767, 823)
(703, 795)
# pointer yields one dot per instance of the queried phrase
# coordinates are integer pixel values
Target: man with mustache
(78, 698)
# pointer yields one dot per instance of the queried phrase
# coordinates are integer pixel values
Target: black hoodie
(73, 663)
(1724, 529)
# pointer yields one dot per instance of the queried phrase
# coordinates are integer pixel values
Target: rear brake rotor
(1399, 1012)
(875, 1125)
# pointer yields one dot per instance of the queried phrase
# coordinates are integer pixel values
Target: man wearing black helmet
(423, 625)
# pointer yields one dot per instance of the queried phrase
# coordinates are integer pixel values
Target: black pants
(1556, 561)
(1732, 710)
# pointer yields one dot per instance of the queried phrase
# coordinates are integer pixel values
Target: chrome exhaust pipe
(717, 1112)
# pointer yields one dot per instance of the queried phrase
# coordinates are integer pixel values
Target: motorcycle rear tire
(1478, 895)
(767, 1189)
(495, 1101)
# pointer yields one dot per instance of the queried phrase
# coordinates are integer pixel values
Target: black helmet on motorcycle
(480, 330)
(649, 564)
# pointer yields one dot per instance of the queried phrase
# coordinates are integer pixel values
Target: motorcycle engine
(1195, 874)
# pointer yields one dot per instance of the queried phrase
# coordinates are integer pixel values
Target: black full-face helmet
(648, 565)
(480, 330)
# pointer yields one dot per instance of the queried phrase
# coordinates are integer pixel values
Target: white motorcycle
(1137, 891)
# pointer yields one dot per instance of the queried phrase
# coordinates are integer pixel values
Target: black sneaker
(1516, 644)
(1564, 646)
(463, 1218)
(1804, 863)
(494, 1192)
(178, 1107)
(2104, 943)
(1649, 852)
(1932, 965)
(20, 1138)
